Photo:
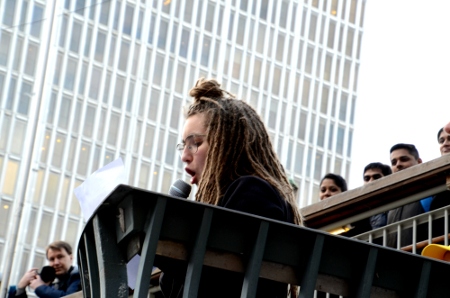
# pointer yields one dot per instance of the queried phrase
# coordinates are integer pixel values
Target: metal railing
(134, 221)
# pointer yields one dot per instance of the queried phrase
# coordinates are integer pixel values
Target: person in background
(404, 156)
(228, 154)
(443, 138)
(441, 199)
(59, 256)
(447, 128)
(374, 171)
(330, 185)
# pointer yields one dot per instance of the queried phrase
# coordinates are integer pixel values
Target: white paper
(93, 191)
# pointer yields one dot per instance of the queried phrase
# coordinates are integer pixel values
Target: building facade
(83, 82)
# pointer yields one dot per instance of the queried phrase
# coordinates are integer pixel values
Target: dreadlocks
(239, 145)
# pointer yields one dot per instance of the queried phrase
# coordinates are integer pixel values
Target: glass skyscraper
(83, 82)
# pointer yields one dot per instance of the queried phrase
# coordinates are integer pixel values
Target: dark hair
(338, 180)
(248, 149)
(409, 147)
(439, 133)
(59, 245)
(385, 169)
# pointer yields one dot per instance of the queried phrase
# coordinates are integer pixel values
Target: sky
(404, 81)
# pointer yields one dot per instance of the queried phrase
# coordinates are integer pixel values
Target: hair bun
(206, 88)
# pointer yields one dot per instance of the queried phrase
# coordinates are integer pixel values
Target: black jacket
(247, 194)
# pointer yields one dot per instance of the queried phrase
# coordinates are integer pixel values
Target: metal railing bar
(152, 231)
(195, 264)
(251, 276)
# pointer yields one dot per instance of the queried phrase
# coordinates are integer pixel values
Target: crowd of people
(229, 156)
(402, 156)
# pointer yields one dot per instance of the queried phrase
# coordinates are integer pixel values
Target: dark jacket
(248, 194)
(440, 200)
(378, 220)
(401, 213)
(68, 283)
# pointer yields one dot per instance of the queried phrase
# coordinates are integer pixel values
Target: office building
(83, 82)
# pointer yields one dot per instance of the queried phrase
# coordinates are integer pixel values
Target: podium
(134, 221)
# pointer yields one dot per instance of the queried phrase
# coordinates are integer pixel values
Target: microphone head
(180, 189)
(48, 274)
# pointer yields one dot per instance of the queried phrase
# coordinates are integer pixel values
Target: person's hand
(37, 282)
(27, 278)
(447, 128)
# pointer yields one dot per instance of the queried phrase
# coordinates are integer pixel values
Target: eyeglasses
(190, 144)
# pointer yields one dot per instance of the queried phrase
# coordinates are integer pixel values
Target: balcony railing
(134, 221)
(382, 195)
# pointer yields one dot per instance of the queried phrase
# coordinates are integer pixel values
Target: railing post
(251, 276)
(195, 265)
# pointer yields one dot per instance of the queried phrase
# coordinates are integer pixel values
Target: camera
(47, 274)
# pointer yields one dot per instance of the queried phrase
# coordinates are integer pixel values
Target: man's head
(404, 156)
(59, 256)
(374, 171)
(443, 138)
(447, 128)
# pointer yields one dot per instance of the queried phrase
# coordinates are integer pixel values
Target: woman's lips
(192, 174)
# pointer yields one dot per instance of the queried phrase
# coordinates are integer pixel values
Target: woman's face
(328, 188)
(196, 147)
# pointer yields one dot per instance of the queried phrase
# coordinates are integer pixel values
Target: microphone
(47, 274)
(180, 189)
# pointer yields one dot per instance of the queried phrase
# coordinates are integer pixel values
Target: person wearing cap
(437, 251)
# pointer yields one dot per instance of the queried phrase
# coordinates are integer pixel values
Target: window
(8, 14)
(148, 141)
(113, 129)
(100, 46)
(43, 230)
(95, 83)
(206, 49)
(184, 43)
(280, 47)
(12, 171)
(64, 112)
(340, 140)
(162, 36)
(343, 107)
(51, 193)
(35, 30)
(324, 101)
(170, 149)
(83, 160)
(75, 37)
(19, 132)
(89, 121)
(4, 47)
(181, 71)
(318, 166)
(119, 92)
(241, 30)
(124, 54)
(128, 20)
(25, 97)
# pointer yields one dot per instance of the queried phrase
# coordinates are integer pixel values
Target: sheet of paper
(93, 191)
(98, 185)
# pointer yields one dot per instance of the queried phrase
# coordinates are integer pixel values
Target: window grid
(301, 81)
